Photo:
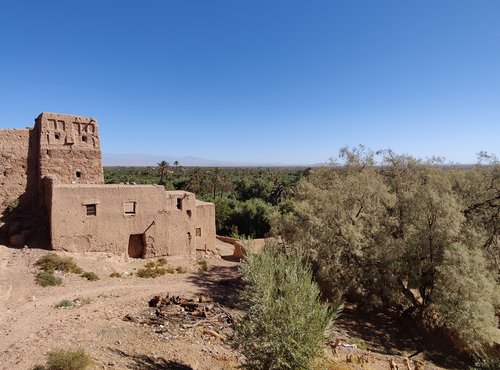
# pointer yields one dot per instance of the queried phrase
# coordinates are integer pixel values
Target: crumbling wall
(205, 226)
(18, 171)
(70, 148)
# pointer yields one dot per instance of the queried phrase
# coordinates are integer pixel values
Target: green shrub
(81, 301)
(286, 323)
(66, 360)
(181, 270)
(51, 262)
(47, 279)
(91, 276)
(464, 297)
(77, 302)
(154, 269)
(203, 265)
(64, 304)
(115, 275)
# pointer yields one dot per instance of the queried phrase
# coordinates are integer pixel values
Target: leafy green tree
(285, 323)
(252, 218)
(340, 216)
(381, 234)
(465, 297)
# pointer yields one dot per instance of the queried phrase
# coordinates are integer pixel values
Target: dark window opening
(57, 135)
(198, 231)
(78, 174)
(179, 203)
(91, 209)
(84, 138)
(189, 213)
(129, 208)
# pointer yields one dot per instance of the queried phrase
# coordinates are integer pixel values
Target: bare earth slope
(31, 325)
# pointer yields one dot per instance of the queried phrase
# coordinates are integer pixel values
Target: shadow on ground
(144, 362)
(384, 333)
(223, 284)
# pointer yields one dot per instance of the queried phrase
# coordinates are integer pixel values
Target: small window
(84, 138)
(78, 174)
(129, 208)
(91, 209)
(198, 231)
(179, 203)
(189, 213)
(57, 135)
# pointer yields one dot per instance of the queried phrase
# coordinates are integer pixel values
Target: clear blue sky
(259, 81)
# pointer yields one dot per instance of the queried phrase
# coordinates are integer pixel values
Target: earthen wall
(205, 226)
(166, 220)
(70, 148)
(18, 173)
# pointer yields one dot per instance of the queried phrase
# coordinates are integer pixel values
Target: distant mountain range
(152, 160)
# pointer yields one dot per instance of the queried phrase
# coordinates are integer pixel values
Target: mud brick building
(54, 170)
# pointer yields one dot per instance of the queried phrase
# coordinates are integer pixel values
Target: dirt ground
(31, 325)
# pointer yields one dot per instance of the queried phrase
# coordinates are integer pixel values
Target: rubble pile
(173, 317)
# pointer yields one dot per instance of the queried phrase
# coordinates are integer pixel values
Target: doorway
(136, 246)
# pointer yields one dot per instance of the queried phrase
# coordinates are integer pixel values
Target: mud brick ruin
(51, 178)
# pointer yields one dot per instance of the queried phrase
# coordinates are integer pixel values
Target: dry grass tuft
(52, 262)
(46, 279)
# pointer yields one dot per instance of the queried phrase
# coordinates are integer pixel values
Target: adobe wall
(205, 226)
(256, 245)
(69, 148)
(165, 227)
(18, 173)
(180, 216)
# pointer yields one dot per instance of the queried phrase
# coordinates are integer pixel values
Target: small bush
(360, 343)
(203, 265)
(154, 269)
(81, 301)
(285, 324)
(115, 275)
(64, 304)
(77, 302)
(91, 276)
(181, 270)
(52, 262)
(66, 360)
(46, 279)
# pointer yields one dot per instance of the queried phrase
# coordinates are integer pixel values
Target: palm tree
(177, 166)
(163, 170)
(216, 177)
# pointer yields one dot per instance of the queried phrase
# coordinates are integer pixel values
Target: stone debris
(174, 317)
